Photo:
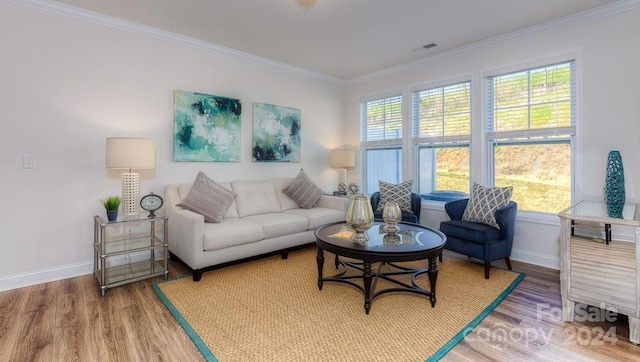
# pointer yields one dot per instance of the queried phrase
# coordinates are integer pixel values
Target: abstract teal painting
(276, 133)
(206, 127)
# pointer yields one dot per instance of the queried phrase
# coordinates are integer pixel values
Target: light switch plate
(29, 161)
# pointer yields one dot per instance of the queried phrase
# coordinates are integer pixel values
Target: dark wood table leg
(366, 279)
(320, 261)
(433, 276)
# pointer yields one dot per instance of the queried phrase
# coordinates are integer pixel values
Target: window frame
(379, 144)
(442, 141)
(534, 136)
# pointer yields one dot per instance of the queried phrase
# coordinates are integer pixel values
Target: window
(531, 129)
(381, 140)
(441, 133)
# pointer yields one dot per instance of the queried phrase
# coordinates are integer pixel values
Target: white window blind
(381, 121)
(442, 114)
(534, 103)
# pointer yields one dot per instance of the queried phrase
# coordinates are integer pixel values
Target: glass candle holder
(360, 218)
(391, 214)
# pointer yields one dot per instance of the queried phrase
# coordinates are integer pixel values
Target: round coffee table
(412, 242)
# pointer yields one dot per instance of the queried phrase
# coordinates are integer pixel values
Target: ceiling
(344, 39)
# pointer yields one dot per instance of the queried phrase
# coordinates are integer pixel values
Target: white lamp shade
(342, 158)
(130, 153)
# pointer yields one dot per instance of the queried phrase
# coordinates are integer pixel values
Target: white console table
(596, 270)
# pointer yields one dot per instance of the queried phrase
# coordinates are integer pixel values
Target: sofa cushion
(400, 193)
(286, 203)
(318, 216)
(303, 190)
(231, 232)
(483, 203)
(279, 224)
(208, 199)
(256, 197)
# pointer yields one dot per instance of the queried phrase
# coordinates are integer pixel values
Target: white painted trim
(120, 24)
(588, 15)
(45, 275)
(535, 259)
(93, 17)
(69, 271)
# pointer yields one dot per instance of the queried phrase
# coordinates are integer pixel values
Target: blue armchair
(478, 240)
(416, 205)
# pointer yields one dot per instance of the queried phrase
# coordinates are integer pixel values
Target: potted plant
(111, 204)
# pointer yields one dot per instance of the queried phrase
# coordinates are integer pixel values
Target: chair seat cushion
(472, 231)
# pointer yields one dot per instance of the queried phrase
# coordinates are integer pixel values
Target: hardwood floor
(68, 320)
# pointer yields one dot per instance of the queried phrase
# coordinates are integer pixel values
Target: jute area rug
(271, 310)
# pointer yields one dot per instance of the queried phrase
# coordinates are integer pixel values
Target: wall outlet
(28, 161)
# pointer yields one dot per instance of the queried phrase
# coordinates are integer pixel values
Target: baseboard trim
(74, 270)
(45, 275)
(66, 271)
(543, 260)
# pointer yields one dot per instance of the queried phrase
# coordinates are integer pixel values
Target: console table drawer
(605, 273)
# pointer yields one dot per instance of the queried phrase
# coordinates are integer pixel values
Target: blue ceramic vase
(614, 195)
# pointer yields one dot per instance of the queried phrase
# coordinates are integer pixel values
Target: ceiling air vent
(426, 46)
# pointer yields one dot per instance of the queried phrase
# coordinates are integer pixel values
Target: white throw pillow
(483, 203)
(208, 199)
(303, 190)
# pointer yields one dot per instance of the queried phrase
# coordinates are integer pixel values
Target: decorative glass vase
(360, 218)
(391, 214)
(614, 195)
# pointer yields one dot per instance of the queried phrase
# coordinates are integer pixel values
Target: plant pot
(112, 215)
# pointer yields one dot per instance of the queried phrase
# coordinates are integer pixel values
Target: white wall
(608, 109)
(66, 84)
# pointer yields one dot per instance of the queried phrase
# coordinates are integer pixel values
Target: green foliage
(111, 203)
(540, 174)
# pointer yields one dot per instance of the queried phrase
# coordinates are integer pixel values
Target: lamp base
(130, 193)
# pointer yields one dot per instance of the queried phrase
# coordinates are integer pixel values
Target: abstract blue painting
(276, 133)
(206, 127)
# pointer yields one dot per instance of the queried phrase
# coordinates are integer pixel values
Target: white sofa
(260, 220)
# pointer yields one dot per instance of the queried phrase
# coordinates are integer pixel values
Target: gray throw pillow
(303, 190)
(400, 193)
(208, 199)
(483, 203)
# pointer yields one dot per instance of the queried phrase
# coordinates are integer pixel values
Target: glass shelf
(129, 237)
(128, 272)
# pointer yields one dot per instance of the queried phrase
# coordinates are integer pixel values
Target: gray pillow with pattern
(483, 203)
(400, 193)
(303, 190)
(208, 199)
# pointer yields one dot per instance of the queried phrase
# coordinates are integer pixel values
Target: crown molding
(101, 19)
(129, 26)
(588, 15)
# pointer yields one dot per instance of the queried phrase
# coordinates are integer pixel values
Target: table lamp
(129, 154)
(342, 159)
